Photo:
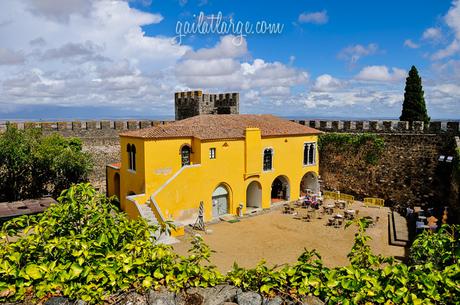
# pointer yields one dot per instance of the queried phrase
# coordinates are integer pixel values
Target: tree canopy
(414, 108)
(32, 165)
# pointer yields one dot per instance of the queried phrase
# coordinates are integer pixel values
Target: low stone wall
(218, 295)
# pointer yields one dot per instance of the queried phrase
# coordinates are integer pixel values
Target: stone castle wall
(192, 103)
(437, 127)
(407, 172)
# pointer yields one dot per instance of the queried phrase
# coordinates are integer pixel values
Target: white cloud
(74, 56)
(381, 74)
(314, 17)
(59, 11)
(433, 34)
(410, 44)
(448, 51)
(78, 52)
(228, 47)
(353, 53)
(221, 67)
(10, 57)
(326, 82)
(452, 20)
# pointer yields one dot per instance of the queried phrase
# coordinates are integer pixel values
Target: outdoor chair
(338, 222)
(288, 209)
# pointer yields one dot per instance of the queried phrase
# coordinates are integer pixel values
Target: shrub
(85, 249)
(32, 165)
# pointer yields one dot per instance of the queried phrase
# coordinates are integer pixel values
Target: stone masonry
(192, 103)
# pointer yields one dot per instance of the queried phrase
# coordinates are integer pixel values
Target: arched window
(309, 153)
(185, 155)
(131, 149)
(268, 159)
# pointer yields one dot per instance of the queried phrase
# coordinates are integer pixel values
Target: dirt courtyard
(280, 238)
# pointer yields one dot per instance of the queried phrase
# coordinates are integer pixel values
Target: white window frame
(309, 162)
(263, 159)
(212, 153)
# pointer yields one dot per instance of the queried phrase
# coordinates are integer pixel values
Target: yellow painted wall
(253, 162)
(237, 164)
(111, 183)
(132, 181)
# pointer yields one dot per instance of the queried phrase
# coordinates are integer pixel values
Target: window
(309, 153)
(212, 153)
(185, 155)
(131, 149)
(268, 159)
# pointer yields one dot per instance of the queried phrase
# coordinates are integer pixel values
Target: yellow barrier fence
(348, 198)
(375, 202)
(331, 195)
(339, 196)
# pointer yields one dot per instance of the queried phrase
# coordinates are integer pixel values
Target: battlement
(83, 125)
(438, 127)
(192, 103)
(379, 126)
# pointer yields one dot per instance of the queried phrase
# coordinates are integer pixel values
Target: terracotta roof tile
(222, 126)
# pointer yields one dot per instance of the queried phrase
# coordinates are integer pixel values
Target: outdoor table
(349, 214)
(329, 209)
(341, 204)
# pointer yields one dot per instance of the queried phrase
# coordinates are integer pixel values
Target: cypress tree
(414, 108)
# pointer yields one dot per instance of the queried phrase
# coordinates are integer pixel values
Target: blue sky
(105, 59)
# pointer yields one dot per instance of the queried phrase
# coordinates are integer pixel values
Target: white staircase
(146, 212)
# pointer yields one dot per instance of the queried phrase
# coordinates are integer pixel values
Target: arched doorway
(254, 195)
(280, 189)
(220, 201)
(309, 182)
(116, 185)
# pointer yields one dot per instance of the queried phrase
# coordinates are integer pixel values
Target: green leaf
(147, 282)
(157, 274)
(75, 270)
(33, 271)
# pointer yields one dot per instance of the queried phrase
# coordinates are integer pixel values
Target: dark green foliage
(441, 249)
(414, 108)
(84, 248)
(370, 145)
(32, 165)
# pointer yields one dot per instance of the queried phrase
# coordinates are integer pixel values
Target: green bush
(32, 165)
(84, 248)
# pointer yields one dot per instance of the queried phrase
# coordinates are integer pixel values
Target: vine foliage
(372, 144)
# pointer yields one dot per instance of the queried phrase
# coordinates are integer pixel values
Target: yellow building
(229, 163)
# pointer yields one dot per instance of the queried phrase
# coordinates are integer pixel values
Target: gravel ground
(280, 238)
